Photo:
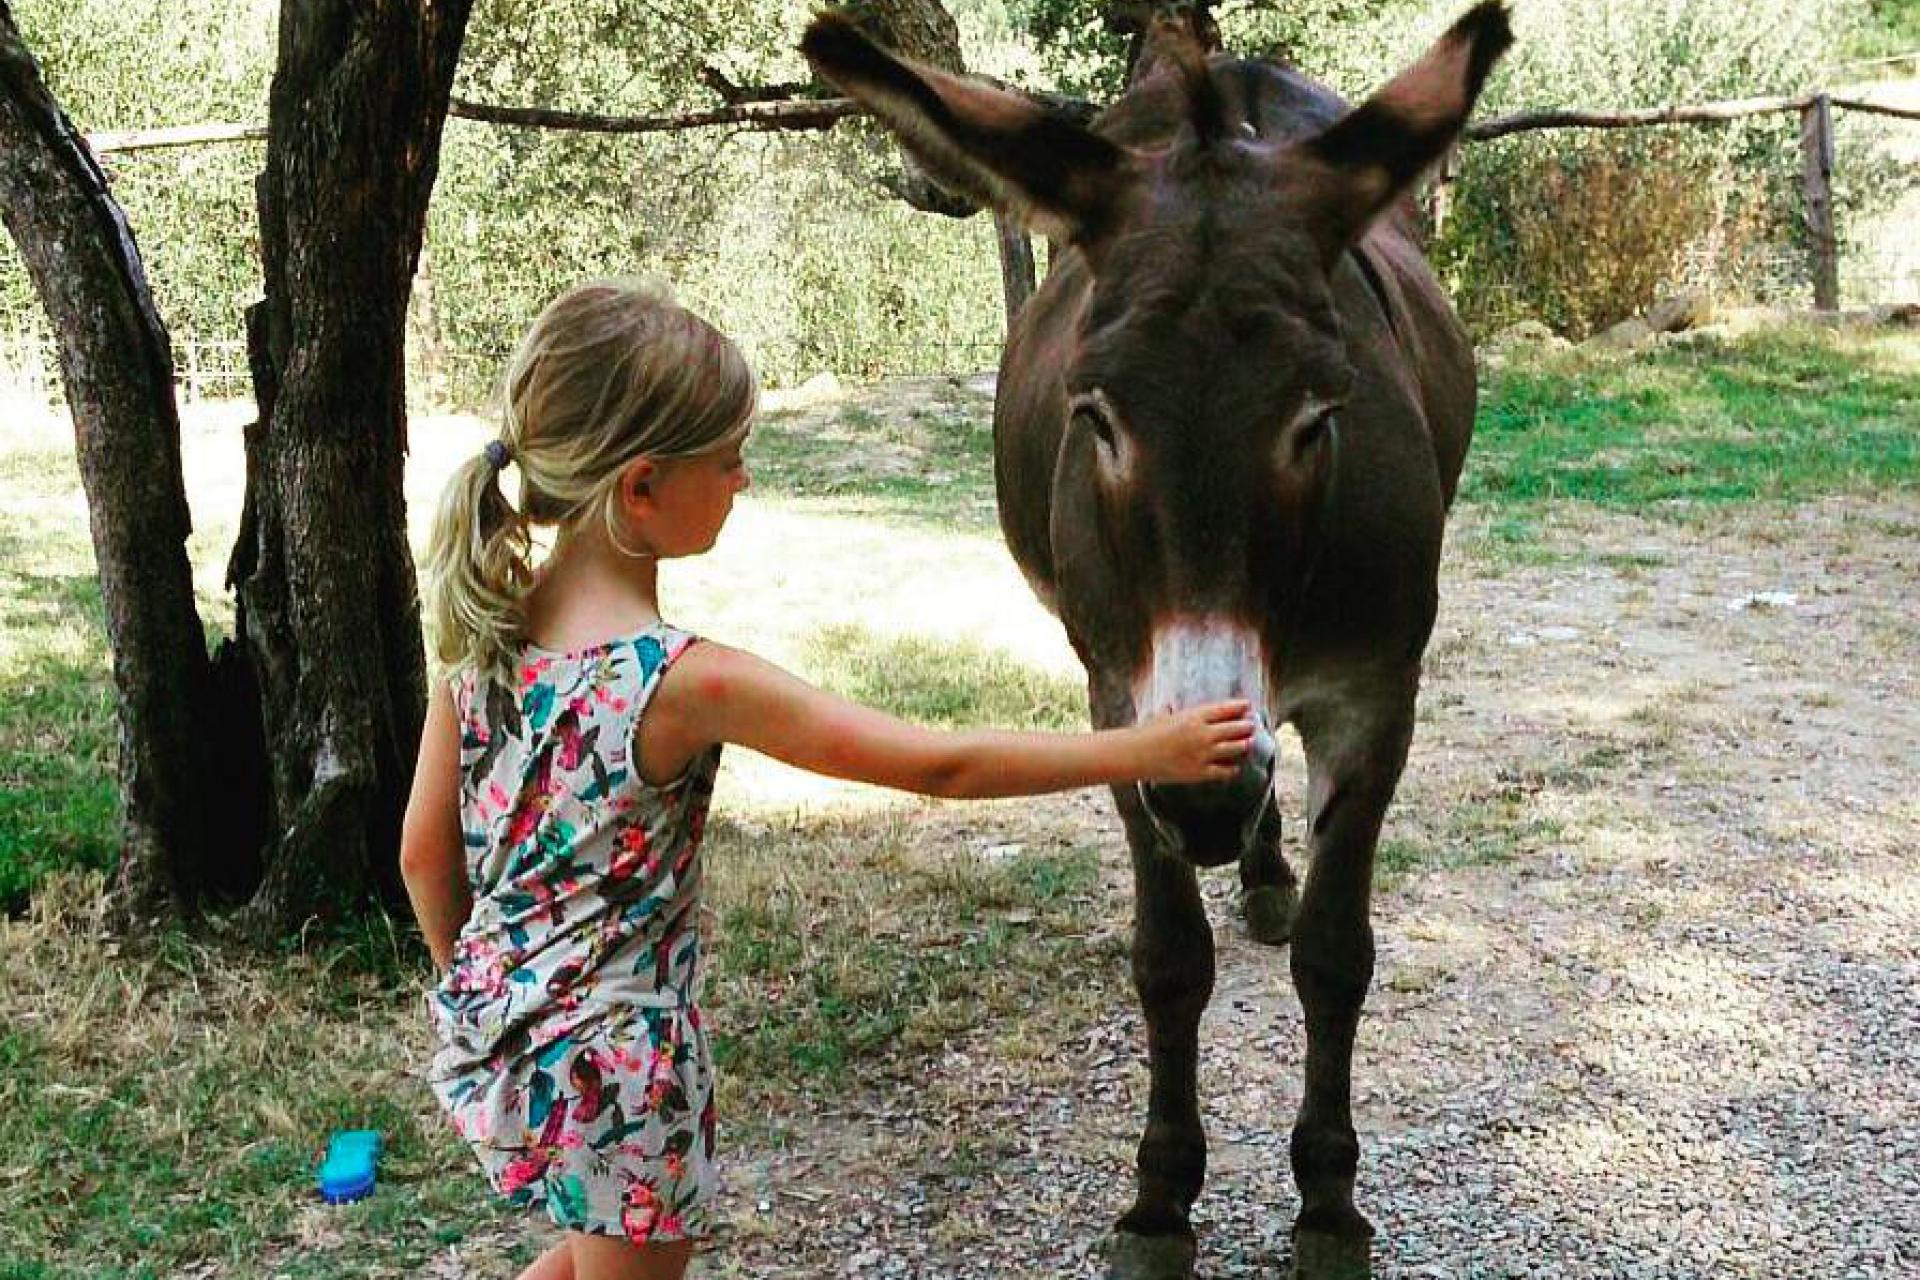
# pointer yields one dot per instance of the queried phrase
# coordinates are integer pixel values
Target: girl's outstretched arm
(717, 694)
(432, 854)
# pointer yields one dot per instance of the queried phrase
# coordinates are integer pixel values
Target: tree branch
(823, 113)
(734, 94)
(801, 113)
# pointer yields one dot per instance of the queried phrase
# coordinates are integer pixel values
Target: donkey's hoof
(1132, 1257)
(1269, 913)
(1324, 1255)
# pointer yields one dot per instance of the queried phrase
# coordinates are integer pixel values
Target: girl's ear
(636, 483)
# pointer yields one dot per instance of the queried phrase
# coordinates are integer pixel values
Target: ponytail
(477, 569)
(612, 370)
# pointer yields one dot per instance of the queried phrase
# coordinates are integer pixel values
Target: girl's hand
(1206, 743)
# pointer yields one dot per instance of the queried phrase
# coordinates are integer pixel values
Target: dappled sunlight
(1871, 910)
(755, 786)
(1622, 844)
(893, 938)
(1577, 1146)
(40, 633)
(1643, 701)
(1442, 930)
(780, 573)
(27, 424)
(1644, 907)
(778, 576)
(1686, 1004)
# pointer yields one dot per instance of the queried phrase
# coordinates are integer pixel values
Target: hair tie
(498, 454)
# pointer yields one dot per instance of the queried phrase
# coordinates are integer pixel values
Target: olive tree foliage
(785, 239)
(118, 66)
(1581, 228)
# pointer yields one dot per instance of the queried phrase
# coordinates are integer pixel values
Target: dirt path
(1647, 1003)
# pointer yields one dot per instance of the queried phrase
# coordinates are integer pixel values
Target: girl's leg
(606, 1258)
(555, 1264)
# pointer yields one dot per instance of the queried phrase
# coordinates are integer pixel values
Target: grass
(1782, 416)
(930, 464)
(58, 798)
(945, 684)
(890, 940)
(161, 1106)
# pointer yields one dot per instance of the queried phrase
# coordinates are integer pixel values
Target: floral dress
(571, 1052)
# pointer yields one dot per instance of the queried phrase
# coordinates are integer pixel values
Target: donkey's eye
(1308, 434)
(1090, 413)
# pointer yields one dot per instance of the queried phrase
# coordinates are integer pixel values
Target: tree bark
(1136, 20)
(328, 612)
(924, 31)
(1016, 264)
(117, 366)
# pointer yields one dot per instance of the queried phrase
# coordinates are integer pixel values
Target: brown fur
(1236, 253)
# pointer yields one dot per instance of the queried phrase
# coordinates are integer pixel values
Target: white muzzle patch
(1202, 659)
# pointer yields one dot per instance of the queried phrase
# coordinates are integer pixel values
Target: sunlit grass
(944, 683)
(164, 1109)
(858, 944)
(930, 463)
(1772, 417)
(58, 799)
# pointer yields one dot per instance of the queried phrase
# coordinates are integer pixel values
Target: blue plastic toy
(347, 1172)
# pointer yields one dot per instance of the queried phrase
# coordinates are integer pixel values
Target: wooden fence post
(1816, 154)
(1016, 263)
(1440, 193)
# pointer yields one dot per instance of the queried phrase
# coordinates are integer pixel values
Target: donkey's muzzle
(1211, 823)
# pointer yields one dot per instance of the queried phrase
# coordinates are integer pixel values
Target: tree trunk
(1016, 264)
(117, 365)
(328, 612)
(924, 31)
(1137, 19)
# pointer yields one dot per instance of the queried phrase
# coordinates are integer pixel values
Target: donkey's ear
(1373, 154)
(1061, 180)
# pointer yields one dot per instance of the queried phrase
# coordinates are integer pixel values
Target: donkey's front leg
(1173, 972)
(1353, 763)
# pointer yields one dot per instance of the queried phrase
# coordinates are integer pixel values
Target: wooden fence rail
(1816, 144)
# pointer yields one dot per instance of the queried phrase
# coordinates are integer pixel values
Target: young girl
(552, 836)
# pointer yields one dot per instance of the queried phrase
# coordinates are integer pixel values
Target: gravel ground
(1670, 1029)
(1647, 1004)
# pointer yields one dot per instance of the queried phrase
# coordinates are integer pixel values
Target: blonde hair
(611, 371)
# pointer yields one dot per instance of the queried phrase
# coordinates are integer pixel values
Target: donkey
(1228, 430)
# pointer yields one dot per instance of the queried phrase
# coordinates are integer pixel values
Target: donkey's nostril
(1210, 823)
(1260, 754)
